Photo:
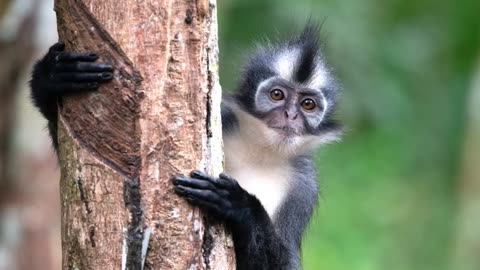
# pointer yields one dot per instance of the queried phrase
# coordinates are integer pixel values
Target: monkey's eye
(308, 104)
(277, 95)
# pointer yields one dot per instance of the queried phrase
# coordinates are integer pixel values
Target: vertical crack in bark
(83, 195)
(188, 16)
(208, 121)
(210, 83)
(133, 200)
(84, 199)
(91, 235)
(208, 242)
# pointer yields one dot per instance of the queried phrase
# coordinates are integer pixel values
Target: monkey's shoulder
(229, 118)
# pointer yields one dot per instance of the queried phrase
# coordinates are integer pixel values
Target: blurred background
(400, 192)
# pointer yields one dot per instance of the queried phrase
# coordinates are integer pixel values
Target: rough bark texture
(120, 146)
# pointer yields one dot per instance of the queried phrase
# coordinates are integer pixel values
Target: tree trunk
(119, 147)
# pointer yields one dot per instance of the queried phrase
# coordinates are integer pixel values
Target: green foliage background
(389, 189)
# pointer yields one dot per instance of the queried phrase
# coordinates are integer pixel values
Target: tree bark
(120, 146)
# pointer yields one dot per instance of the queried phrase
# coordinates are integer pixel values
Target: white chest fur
(266, 178)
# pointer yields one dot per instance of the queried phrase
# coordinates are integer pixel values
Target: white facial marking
(286, 62)
(262, 85)
(315, 121)
(318, 79)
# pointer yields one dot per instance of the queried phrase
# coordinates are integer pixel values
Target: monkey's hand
(61, 73)
(222, 197)
(257, 245)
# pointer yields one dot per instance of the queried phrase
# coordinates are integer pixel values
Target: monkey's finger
(83, 77)
(204, 199)
(76, 56)
(219, 183)
(200, 184)
(204, 205)
(226, 181)
(192, 182)
(200, 194)
(84, 67)
(227, 177)
(201, 175)
(70, 87)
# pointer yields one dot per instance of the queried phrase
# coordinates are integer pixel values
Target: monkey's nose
(287, 115)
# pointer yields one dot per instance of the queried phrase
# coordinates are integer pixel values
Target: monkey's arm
(294, 215)
(60, 73)
(258, 244)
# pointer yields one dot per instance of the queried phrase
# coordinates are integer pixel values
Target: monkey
(282, 109)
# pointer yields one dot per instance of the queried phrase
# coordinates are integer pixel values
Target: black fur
(257, 69)
(294, 215)
(308, 41)
(229, 119)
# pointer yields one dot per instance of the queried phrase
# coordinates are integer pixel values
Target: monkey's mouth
(286, 131)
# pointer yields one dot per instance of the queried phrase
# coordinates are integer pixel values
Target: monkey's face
(289, 109)
(292, 114)
(290, 90)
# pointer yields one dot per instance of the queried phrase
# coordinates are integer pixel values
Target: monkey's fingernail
(107, 75)
(196, 173)
(178, 179)
(180, 189)
(190, 199)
